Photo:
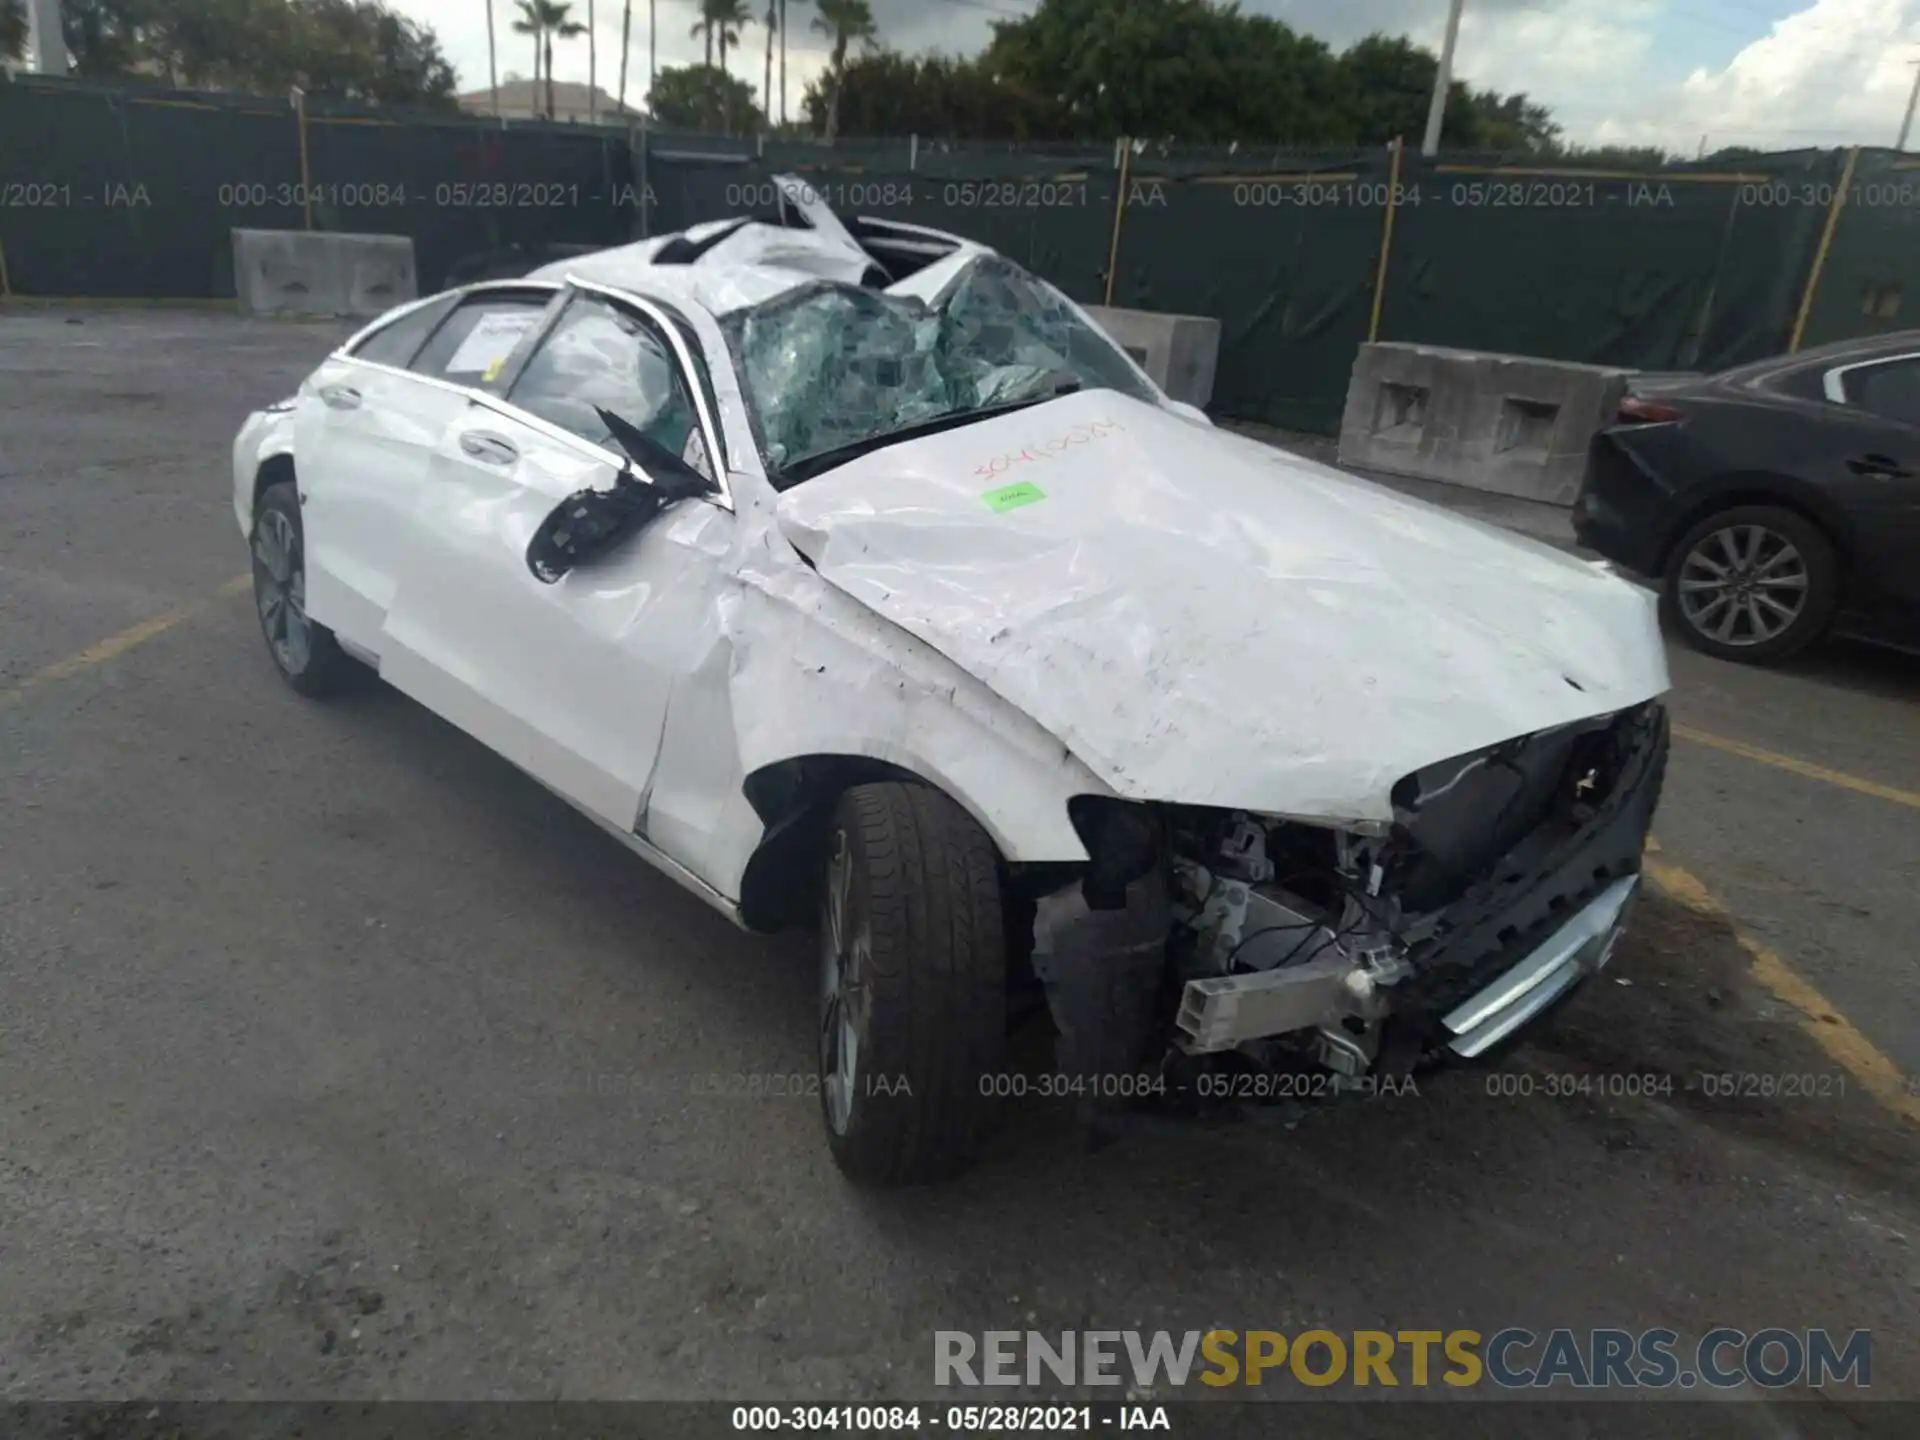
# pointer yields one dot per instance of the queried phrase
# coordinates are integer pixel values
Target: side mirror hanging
(590, 522)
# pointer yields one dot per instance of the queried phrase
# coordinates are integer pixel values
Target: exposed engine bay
(1276, 944)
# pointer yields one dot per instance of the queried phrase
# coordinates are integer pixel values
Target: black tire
(921, 948)
(1790, 548)
(304, 651)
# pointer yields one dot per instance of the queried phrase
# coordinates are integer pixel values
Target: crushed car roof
(728, 265)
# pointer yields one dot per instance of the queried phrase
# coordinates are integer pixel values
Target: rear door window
(1890, 390)
(472, 347)
(399, 341)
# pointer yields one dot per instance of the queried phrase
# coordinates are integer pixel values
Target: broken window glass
(831, 365)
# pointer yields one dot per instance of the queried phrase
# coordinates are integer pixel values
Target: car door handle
(1881, 465)
(340, 397)
(490, 448)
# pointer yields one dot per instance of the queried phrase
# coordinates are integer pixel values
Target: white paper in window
(491, 340)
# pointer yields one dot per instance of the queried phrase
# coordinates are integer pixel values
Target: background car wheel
(1755, 583)
(913, 980)
(304, 652)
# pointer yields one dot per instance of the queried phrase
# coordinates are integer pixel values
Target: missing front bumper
(1578, 949)
(1225, 1012)
(1515, 943)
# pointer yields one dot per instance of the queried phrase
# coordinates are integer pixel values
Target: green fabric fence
(125, 193)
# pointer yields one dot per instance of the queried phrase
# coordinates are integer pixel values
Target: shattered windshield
(831, 367)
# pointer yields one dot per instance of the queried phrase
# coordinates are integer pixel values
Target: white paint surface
(1177, 613)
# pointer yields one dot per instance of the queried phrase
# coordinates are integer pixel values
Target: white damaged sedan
(847, 573)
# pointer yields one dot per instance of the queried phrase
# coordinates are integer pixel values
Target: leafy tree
(106, 39)
(1172, 69)
(355, 50)
(845, 22)
(1513, 122)
(1393, 83)
(696, 97)
(1616, 157)
(887, 93)
(13, 29)
(343, 49)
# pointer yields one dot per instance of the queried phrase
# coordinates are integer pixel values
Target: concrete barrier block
(316, 272)
(1180, 352)
(1506, 424)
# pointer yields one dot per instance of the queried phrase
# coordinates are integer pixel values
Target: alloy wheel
(280, 590)
(847, 947)
(1743, 585)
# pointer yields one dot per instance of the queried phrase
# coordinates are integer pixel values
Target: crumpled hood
(1202, 618)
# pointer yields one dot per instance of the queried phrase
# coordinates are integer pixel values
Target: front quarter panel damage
(796, 669)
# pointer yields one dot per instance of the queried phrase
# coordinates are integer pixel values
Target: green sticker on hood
(1012, 497)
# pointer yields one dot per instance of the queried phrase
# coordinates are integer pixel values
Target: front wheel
(913, 984)
(1757, 583)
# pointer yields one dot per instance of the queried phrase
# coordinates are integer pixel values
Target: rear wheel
(1756, 583)
(913, 984)
(304, 652)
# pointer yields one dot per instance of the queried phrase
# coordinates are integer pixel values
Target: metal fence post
(646, 184)
(1119, 209)
(299, 98)
(1386, 240)
(1820, 255)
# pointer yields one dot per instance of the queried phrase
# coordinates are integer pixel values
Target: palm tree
(530, 23)
(721, 20)
(555, 19)
(733, 16)
(704, 26)
(845, 22)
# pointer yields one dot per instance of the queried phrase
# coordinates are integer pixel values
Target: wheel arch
(1759, 488)
(794, 799)
(273, 470)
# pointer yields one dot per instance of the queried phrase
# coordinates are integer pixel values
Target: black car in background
(1777, 503)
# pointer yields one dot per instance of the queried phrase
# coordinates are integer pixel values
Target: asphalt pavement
(339, 1060)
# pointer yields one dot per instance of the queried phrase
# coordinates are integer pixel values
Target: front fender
(265, 435)
(816, 673)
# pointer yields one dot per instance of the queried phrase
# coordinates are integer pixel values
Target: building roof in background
(520, 97)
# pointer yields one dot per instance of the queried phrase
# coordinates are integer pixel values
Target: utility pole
(493, 68)
(1437, 109)
(49, 43)
(1906, 122)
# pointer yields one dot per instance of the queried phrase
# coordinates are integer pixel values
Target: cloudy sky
(1768, 73)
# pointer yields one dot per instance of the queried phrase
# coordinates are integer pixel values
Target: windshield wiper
(808, 466)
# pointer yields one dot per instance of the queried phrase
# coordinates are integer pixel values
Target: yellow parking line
(1820, 1018)
(113, 646)
(1797, 766)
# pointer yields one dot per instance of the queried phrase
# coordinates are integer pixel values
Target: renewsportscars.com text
(1513, 1358)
